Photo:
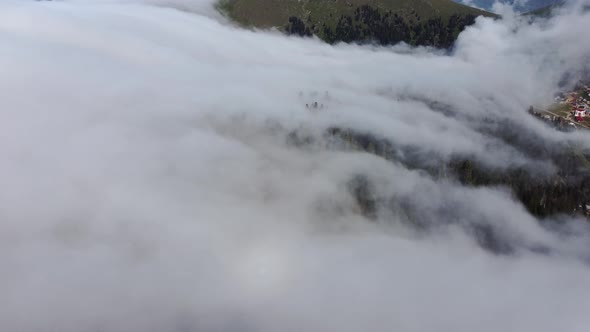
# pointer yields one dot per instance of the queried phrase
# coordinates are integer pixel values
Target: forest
(565, 191)
(548, 196)
(371, 25)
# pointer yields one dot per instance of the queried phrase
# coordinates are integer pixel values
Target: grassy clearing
(560, 109)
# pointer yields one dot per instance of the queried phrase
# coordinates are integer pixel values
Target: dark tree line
(565, 192)
(297, 27)
(369, 24)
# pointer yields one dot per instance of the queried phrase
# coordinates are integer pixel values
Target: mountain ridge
(528, 6)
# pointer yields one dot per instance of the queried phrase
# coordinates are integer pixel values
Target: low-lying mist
(165, 170)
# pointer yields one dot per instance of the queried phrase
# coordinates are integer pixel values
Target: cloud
(149, 183)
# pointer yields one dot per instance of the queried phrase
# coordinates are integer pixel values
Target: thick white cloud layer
(147, 184)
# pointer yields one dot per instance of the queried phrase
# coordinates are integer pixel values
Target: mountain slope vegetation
(416, 22)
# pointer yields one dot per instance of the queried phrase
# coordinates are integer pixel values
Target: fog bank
(149, 183)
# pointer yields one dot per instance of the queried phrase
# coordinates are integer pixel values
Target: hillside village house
(579, 105)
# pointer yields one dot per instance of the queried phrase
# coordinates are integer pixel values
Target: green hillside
(417, 22)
